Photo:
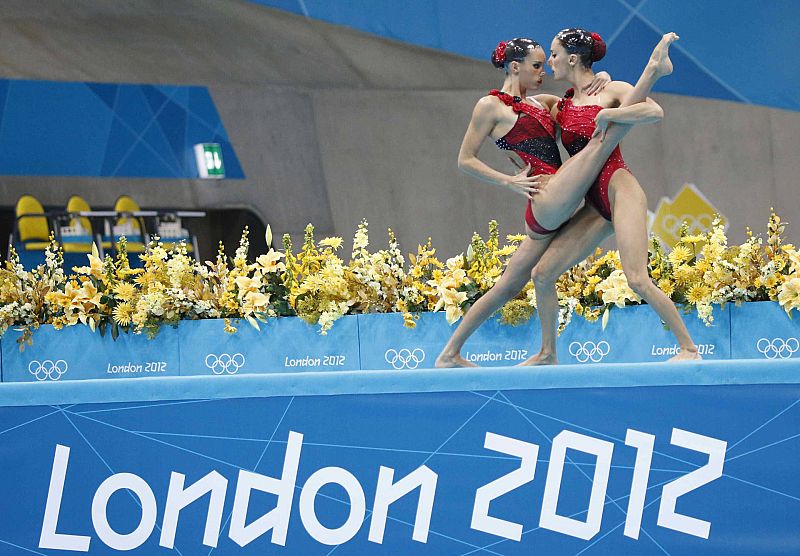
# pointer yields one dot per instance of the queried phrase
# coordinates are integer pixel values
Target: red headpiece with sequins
(500, 52)
(598, 47)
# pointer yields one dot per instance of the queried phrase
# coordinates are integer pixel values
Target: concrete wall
(333, 126)
(391, 157)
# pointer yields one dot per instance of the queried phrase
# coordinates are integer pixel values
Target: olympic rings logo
(404, 358)
(695, 224)
(224, 363)
(47, 369)
(778, 347)
(589, 351)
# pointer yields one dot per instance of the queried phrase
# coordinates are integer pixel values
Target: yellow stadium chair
(33, 230)
(78, 235)
(132, 227)
(31, 234)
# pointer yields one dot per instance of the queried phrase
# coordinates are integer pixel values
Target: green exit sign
(209, 160)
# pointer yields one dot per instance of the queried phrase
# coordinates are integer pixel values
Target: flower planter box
(76, 353)
(381, 342)
(763, 330)
(283, 345)
(387, 344)
(635, 334)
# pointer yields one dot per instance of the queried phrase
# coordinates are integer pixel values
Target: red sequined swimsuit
(577, 126)
(533, 139)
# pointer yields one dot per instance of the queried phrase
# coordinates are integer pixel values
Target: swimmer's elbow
(465, 163)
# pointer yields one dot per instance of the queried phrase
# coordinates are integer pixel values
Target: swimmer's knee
(639, 282)
(543, 274)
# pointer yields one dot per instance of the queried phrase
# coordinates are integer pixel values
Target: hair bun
(598, 47)
(499, 55)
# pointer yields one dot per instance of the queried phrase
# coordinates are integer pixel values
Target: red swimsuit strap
(568, 95)
(542, 115)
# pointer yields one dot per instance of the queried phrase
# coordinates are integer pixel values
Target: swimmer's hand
(524, 184)
(601, 79)
(541, 181)
(601, 122)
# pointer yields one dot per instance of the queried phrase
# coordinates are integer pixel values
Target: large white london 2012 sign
(389, 489)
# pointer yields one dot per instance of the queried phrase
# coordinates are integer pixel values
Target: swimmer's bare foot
(541, 358)
(659, 63)
(447, 360)
(685, 354)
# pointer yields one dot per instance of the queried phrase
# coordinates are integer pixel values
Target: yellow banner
(689, 205)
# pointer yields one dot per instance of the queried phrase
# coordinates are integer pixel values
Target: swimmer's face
(532, 69)
(559, 60)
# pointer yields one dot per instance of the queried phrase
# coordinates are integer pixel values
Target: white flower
(271, 262)
(616, 290)
(789, 296)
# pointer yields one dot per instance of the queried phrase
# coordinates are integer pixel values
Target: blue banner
(764, 331)
(387, 344)
(382, 342)
(629, 470)
(75, 353)
(281, 345)
(636, 334)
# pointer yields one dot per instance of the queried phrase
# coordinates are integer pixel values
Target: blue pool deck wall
(381, 342)
(603, 375)
(463, 429)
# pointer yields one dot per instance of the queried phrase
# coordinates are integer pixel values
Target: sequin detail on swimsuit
(577, 125)
(533, 139)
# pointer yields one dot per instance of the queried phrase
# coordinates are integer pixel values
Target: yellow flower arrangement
(317, 285)
(320, 292)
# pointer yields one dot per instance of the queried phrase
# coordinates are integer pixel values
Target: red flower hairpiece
(500, 51)
(598, 47)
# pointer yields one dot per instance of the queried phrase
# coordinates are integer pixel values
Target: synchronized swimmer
(594, 116)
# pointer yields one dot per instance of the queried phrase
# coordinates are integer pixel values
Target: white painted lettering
(358, 505)
(667, 516)
(276, 519)
(643, 443)
(549, 519)
(178, 498)
(147, 501)
(49, 538)
(387, 493)
(527, 452)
